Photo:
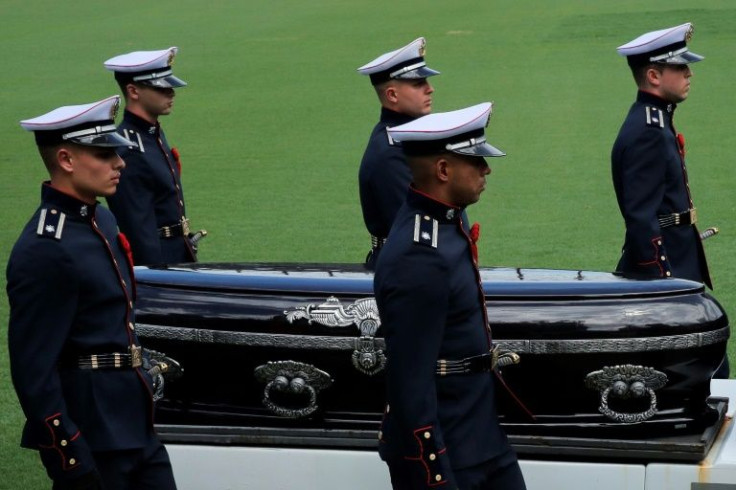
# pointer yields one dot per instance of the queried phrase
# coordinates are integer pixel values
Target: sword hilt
(196, 237)
(709, 232)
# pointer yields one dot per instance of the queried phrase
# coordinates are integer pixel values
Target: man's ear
(131, 90)
(653, 77)
(65, 159)
(442, 169)
(391, 94)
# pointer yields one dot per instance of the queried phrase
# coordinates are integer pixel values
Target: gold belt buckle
(136, 356)
(443, 367)
(693, 216)
(185, 225)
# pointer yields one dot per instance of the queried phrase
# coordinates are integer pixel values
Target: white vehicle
(234, 468)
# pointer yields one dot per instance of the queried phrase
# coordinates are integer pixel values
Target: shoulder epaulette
(136, 137)
(425, 230)
(391, 141)
(655, 116)
(51, 223)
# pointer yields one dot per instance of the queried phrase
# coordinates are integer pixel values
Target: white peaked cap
(405, 63)
(667, 46)
(461, 131)
(86, 124)
(146, 67)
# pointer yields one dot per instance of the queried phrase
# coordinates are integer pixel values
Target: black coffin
(293, 353)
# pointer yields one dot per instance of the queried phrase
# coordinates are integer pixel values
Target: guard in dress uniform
(648, 163)
(75, 359)
(440, 427)
(149, 203)
(400, 80)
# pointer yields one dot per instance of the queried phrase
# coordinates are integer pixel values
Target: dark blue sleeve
(642, 189)
(391, 180)
(133, 207)
(43, 295)
(413, 305)
(384, 181)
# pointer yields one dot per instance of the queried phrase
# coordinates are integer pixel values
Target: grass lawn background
(274, 122)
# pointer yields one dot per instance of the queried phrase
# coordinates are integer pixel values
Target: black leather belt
(377, 242)
(175, 230)
(483, 363)
(112, 360)
(689, 217)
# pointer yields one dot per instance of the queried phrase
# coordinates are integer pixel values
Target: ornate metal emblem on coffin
(289, 382)
(626, 382)
(367, 357)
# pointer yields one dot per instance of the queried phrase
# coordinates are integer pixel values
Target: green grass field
(275, 118)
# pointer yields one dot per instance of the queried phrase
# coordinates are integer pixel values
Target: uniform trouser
(138, 469)
(488, 476)
(723, 371)
(502, 473)
(147, 468)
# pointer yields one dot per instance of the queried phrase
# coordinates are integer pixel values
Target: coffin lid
(354, 279)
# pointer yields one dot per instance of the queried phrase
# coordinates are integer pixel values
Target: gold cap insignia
(689, 33)
(422, 47)
(114, 109)
(171, 58)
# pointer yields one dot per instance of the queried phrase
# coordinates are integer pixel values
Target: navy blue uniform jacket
(432, 307)
(149, 195)
(71, 289)
(650, 179)
(384, 176)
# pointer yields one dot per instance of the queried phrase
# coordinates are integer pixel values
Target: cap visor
(684, 58)
(104, 140)
(165, 82)
(481, 150)
(421, 72)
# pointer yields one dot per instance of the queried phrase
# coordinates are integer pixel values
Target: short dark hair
(640, 72)
(48, 156)
(380, 89)
(123, 80)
